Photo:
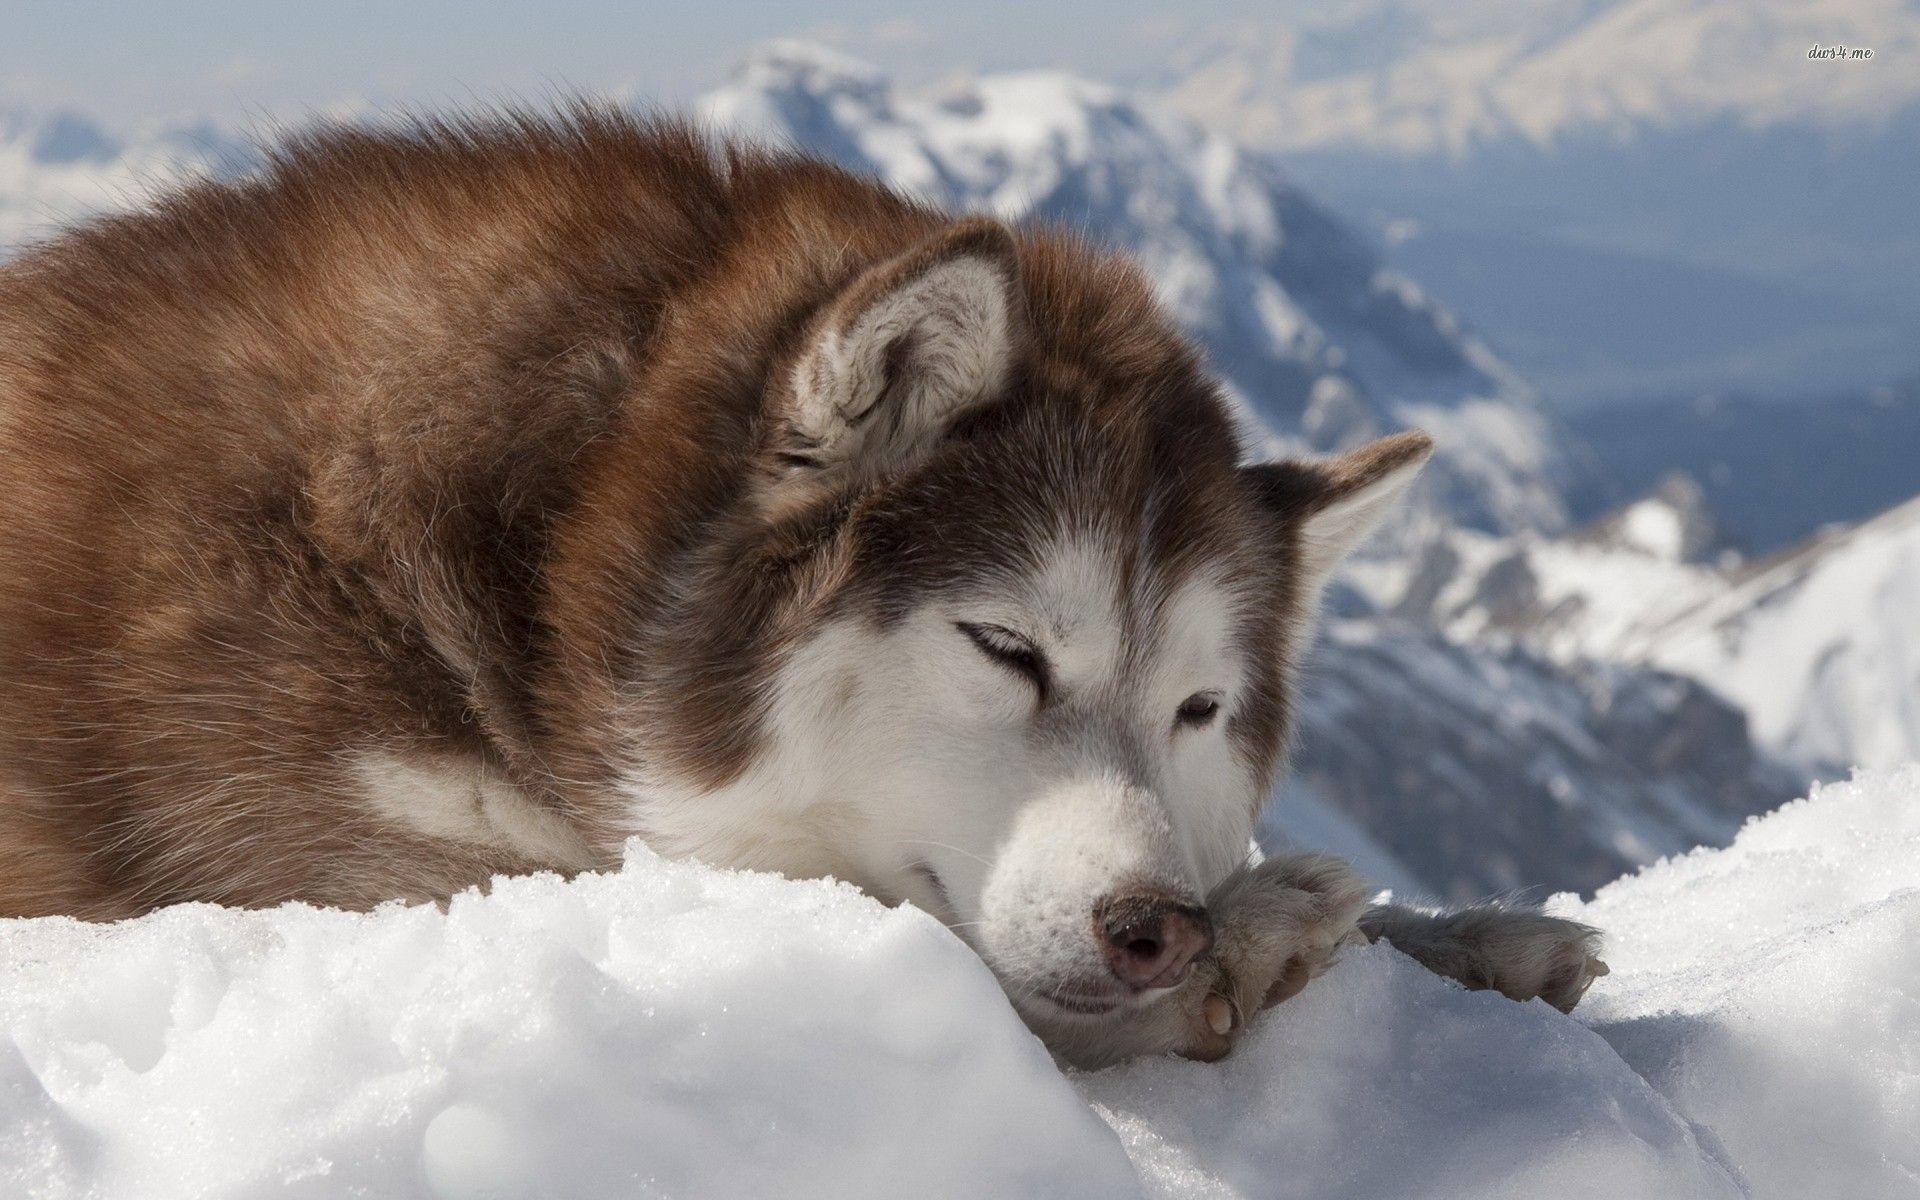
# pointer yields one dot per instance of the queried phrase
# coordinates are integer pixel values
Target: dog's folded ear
(889, 364)
(1328, 506)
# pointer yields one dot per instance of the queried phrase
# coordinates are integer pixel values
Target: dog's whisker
(946, 846)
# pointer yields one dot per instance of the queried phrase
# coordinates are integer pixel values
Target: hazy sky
(136, 57)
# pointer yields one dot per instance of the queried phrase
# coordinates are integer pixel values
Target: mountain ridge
(1442, 79)
(1311, 332)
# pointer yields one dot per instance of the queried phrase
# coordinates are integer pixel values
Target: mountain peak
(808, 66)
(67, 137)
(1673, 523)
(1316, 340)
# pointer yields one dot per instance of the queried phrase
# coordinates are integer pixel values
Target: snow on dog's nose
(1151, 939)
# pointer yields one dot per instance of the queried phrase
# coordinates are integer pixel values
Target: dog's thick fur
(468, 498)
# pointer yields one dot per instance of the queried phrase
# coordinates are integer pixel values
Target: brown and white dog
(468, 498)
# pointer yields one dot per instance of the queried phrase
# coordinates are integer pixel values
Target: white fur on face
(1124, 797)
(796, 810)
(911, 764)
(1195, 654)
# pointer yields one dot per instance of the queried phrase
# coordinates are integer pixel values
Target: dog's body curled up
(469, 498)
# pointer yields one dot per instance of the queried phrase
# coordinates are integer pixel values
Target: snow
(1384, 1080)
(1655, 529)
(671, 1030)
(1816, 646)
(1570, 599)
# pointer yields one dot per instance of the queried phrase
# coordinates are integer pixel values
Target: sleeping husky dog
(469, 498)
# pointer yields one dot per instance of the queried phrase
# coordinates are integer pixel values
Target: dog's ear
(890, 363)
(1328, 506)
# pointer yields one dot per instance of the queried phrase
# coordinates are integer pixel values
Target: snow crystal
(671, 1030)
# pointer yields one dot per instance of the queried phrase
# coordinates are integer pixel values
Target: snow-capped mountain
(1592, 595)
(1421, 76)
(1474, 769)
(57, 166)
(1820, 646)
(1625, 198)
(1673, 523)
(1312, 333)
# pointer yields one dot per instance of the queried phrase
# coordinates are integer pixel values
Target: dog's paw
(1522, 953)
(1276, 926)
(1532, 954)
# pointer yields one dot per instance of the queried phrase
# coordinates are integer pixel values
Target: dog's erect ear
(1330, 505)
(905, 349)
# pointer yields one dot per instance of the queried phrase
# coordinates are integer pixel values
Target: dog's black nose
(1151, 938)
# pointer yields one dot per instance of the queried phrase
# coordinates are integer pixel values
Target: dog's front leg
(1519, 952)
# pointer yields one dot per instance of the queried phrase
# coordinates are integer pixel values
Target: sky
(135, 59)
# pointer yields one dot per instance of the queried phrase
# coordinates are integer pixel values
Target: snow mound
(671, 1030)
(666, 1031)
(1771, 990)
(1382, 1079)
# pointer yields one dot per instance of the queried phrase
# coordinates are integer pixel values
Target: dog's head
(1036, 678)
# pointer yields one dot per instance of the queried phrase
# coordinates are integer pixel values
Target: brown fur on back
(396, 445)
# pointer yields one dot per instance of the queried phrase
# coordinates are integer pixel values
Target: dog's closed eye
(1197, 710)
(1009, 650)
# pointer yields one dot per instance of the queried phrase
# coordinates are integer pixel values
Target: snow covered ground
(675, 1031)
(1771, 991)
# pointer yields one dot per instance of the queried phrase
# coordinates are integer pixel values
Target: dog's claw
(1219, 1014)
